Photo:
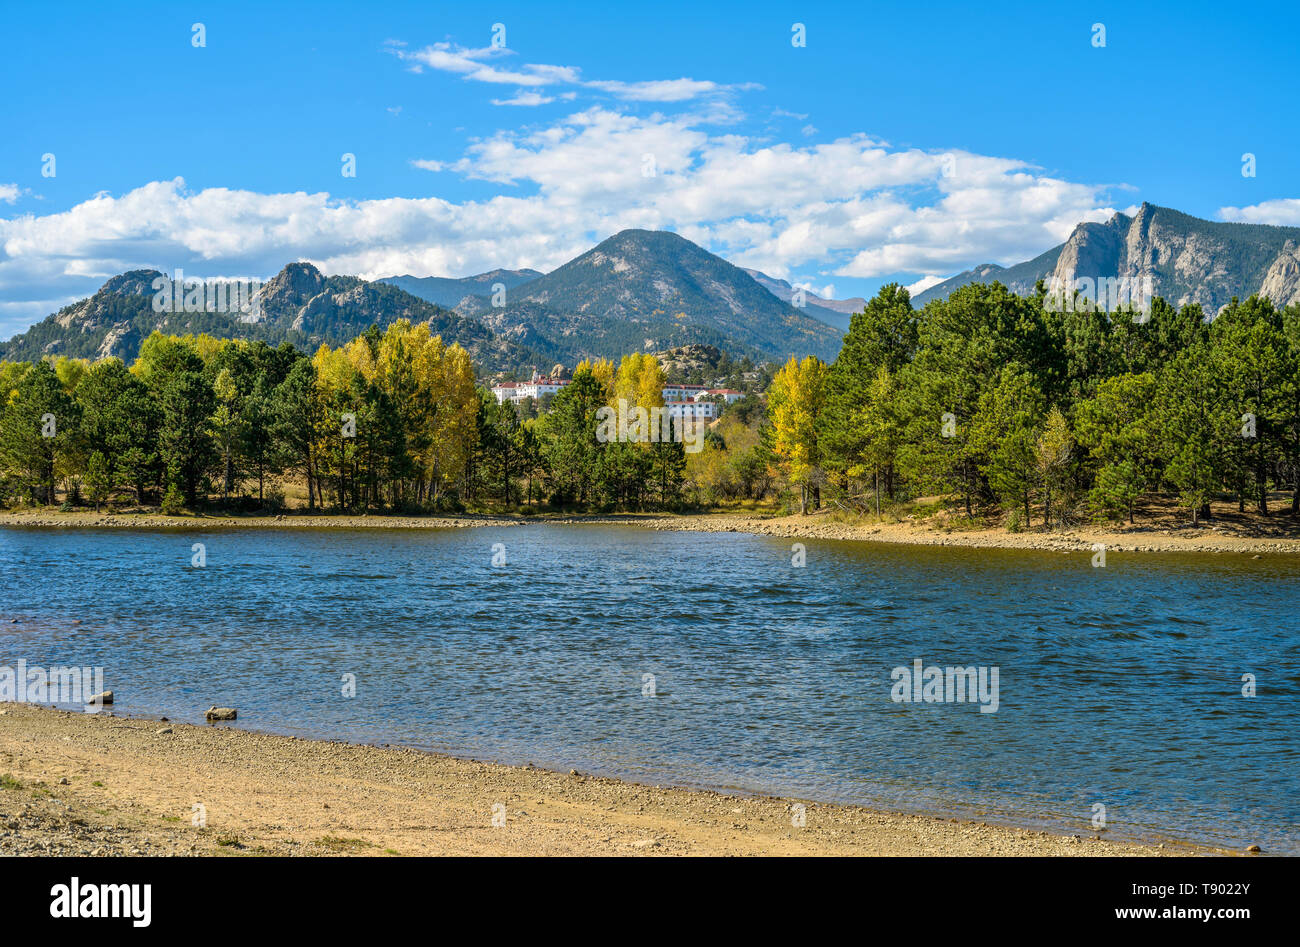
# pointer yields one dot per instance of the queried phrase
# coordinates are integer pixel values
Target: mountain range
(639, 290)
(834, 312)
(1189, 260)
(469, 290)
(644, 290)
(299, 305)
(648, 291)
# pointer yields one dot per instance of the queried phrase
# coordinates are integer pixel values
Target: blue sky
(903, 142)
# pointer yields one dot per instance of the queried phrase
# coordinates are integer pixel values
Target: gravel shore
(1142, 538)
(83, 784)
(1211, 539)
(87, 520)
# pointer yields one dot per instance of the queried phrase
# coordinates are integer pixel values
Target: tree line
(392, 420)
(996, 401)
(1002, 401)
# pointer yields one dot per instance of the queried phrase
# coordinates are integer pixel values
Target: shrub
(172, 501)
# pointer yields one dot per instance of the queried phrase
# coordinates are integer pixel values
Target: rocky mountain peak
(1187, 259)
(1282, 281)
(130, 283)
(296, 284)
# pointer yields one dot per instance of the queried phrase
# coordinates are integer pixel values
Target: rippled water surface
(1119, 685)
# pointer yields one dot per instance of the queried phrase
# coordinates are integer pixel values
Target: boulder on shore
(220, 713)
(105, 698)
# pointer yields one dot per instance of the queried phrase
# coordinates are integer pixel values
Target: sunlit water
(1118, 685)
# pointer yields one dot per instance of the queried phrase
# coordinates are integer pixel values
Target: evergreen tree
(572, 452)
(187, 402)
(1004, 433)
(1118, 429)
(881, 337)
(120, 421)
(99, 479)
(298, 417)
(38, 431)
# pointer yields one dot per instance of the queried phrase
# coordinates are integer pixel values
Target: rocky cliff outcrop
(1186, 259)
(1282, 281)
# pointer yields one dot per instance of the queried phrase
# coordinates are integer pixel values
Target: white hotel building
(697, 392)
(680, 401)
(728, 395)
(704, 410)
(683, 392)
(535, 387)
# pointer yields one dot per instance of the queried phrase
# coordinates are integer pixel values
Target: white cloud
(854, 207)
(525, 98)
(1282, 212)
(476, 65)
(473, 64)
(661, 90)
(924, 283)
(9, 193)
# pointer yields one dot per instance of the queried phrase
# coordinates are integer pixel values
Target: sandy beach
(1165, 534)
(81, 784)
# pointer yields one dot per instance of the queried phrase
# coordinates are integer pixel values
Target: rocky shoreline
(1208, 540)
(44, 519)
(98, 784)
(1202, 539)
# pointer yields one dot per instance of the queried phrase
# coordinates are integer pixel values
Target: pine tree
(1004, 432)
(881, 337)
(1056, 460)
(298, 415)
(99, 479)
(1119, 430)
(38, 431)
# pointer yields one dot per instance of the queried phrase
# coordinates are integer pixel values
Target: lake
(709, 660)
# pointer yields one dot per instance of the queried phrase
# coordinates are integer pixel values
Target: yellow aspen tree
(602, 369)
(795, 400)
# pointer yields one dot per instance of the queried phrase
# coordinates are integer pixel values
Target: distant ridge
(833, 312)
(450, 293)
(637, 291)
(298, 305)
(1189, 260)
(651, 290)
